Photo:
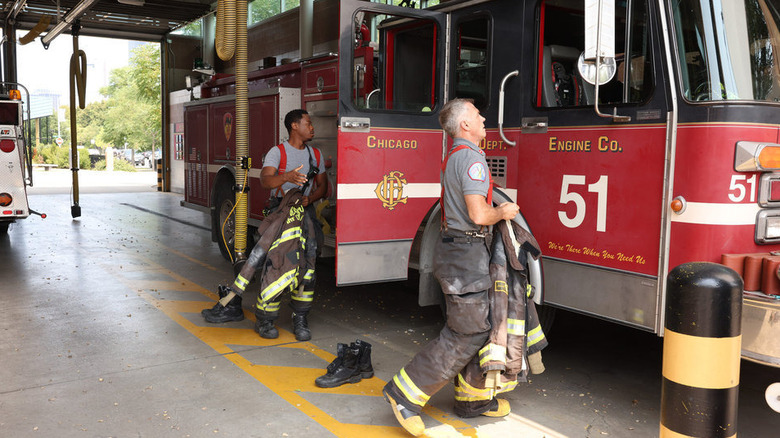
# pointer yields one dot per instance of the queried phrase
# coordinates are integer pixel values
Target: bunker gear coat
(285, 256)
(515, 330)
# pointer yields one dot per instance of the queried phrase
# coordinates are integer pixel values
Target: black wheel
(4, 227)
(226, 220)
(226, 230)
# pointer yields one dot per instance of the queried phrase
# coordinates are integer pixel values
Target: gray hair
(452, 114)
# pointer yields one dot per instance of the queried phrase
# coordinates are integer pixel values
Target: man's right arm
(483, 214)
(269, 179)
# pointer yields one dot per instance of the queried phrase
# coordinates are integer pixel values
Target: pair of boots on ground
(351, 365)
(264, 327)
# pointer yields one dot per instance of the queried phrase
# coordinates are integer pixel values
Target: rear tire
(4, 227)
(225, 199)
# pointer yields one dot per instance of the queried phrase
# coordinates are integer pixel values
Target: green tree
(132, 111)
(192, 28)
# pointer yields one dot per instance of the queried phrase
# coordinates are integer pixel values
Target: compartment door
(196, 155)
(391, 75)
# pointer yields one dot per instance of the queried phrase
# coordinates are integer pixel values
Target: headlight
(768, 226)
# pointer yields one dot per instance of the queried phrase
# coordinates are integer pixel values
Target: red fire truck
(673, 158)
(15, 159)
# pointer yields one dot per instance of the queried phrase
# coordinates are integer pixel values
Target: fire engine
(664, 153)
(15, 159)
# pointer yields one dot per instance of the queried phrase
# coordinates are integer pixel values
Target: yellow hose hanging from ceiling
(78, 82)
(225, 38)
(42, 25)
(230, 39)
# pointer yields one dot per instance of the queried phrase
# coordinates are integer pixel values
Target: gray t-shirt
(295, 157)
(467, 173)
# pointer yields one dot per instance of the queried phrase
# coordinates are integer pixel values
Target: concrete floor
(102, 336)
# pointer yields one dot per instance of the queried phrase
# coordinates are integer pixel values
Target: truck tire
(224, 201)
(4, 227)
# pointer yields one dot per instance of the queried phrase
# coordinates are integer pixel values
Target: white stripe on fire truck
(705, 213)
(368, 191)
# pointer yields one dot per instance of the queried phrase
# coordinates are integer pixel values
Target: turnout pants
(461, 268)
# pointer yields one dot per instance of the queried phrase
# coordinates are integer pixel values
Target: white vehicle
(15, 159)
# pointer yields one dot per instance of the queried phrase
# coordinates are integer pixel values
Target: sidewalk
(93, 181)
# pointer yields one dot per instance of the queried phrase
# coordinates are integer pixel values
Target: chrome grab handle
(369, 96)
(358, 68)
(501, 107)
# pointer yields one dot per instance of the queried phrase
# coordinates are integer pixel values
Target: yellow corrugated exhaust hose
(230, 39)
(225, 38)
(78, 82)
(43, 23)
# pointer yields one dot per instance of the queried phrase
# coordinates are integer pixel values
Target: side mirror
(597, 63)
(587, 69)
(599, 42)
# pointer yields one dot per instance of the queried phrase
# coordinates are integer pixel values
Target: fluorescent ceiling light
(73, 14)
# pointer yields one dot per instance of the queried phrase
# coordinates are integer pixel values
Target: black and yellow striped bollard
(159, 175)
(702, 342)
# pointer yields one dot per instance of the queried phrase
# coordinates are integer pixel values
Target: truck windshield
(728, 49)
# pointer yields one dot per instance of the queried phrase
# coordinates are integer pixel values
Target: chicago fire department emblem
(391, 190)
(227, 123)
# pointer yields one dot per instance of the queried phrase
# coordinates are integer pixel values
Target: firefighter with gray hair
(461, 266)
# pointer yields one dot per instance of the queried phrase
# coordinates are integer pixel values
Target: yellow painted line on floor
(276, 378)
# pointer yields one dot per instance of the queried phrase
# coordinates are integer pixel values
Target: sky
(42, 69)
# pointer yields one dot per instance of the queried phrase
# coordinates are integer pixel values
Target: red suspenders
(283, 163)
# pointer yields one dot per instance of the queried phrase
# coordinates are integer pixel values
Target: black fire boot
(332, 367)
(222, 291)
(364, 359)
(344, 371)
(219, 313)
(301, 326)
(265, 328)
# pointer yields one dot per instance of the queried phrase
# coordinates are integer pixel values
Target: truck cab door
(593, 187)
(391, 67)
(484, 49)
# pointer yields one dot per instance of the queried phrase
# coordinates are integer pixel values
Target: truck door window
(394, 63)
(727, 49)
(472, 73)
(562, 42)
